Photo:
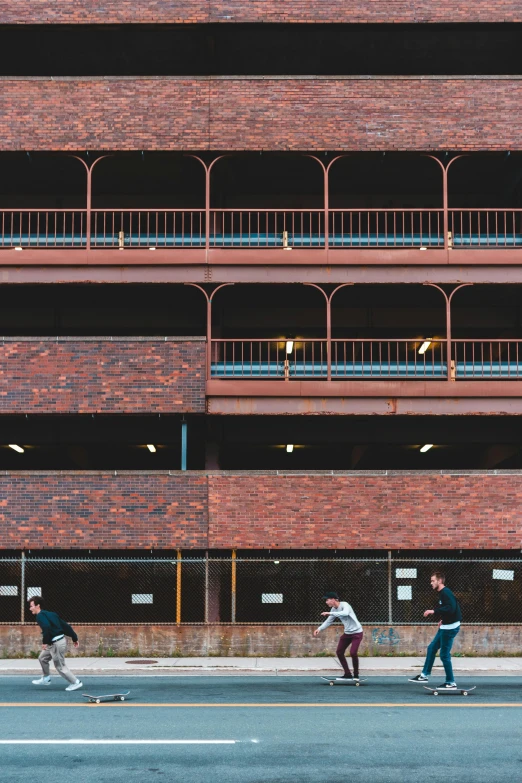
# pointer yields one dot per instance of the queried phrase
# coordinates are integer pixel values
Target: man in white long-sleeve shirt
(353, 632)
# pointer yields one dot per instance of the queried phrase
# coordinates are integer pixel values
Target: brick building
(260, 287)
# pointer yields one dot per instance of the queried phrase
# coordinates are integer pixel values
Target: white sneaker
(74, 686)
(42, 681)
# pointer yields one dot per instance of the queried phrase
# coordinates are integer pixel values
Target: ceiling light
(425, 345)
(426, 447)
(289, 346)
(19, 449)
(290, 447)
(276, 562)
(151, 448)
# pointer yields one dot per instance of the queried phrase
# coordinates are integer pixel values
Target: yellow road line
(351, 705)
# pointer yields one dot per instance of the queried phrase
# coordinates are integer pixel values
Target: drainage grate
(140, 661)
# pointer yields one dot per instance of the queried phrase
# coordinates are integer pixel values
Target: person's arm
(448, 606)
(344, 610)
(68, 631)
(45, 625)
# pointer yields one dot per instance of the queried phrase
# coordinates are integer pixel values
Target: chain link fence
(251, 590)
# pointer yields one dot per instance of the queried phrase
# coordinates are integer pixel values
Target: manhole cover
(140, 661)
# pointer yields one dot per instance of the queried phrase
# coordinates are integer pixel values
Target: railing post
(178, 587)
(450, 363)
(390, 597)
(209, 298)
(233, 602)
(22, 590)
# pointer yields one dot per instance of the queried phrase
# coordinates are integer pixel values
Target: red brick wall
(102, 510)
(249, 113)
(157, 510)
(358, 511)
(87, 375)
(163, 11)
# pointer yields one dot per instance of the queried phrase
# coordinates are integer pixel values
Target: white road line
(115, 742)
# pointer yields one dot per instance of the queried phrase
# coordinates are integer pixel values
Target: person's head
(438, 580)
(332, 599)
(35, 604)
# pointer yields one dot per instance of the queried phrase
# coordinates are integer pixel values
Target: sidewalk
(261, 666)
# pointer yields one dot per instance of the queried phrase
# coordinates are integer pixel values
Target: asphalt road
(253, 729)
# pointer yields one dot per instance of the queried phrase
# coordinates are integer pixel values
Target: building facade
(260, 284)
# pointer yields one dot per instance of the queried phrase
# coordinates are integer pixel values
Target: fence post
(178, 588)
(22, 596)
(390, 615)
(206, 586)
(233, 585)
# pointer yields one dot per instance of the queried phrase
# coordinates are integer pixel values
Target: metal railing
(365, 359)
(43, 228)
(262, 228)
(487, 359)
(147, 228)
(268, 228)
(256, 590)
(485, 228)
(375, 228)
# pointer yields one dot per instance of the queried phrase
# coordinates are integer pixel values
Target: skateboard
(338, 681)
(461, 691)
(113, 696)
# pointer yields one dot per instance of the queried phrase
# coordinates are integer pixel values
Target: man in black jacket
(54, 631)
(447, 612)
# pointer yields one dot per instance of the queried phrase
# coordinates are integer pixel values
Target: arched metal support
(448, 297)
(209, 298)
(208, 169)
(328, 299)
(448, 244)
(89, 169)
(326, 192)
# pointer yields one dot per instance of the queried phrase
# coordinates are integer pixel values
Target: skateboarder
(54, 631)
(353, 633)
(447, 612)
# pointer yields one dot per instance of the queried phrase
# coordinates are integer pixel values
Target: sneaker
(42, 681)
(418, 678)
(447, 686)
(74, 686)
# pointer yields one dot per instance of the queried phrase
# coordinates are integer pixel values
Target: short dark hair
(331, 595)
(37, 600)
(440, 576)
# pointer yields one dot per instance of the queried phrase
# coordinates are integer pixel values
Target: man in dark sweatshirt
(447, 612)
(54, 631)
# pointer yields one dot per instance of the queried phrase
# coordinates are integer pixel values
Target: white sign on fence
(8, 590)
(501, 573)
(142, 598)
(406, 573)
(32, 591)
(272, 598)
(404, 592)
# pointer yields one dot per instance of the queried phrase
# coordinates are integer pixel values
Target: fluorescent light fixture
(276, 562)
(289, 346)
(151, 448)
(19, 449)
(425, 345)
(426, 447)
(290, 447)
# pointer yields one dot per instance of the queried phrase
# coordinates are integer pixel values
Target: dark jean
(344, 641)
(443, 641)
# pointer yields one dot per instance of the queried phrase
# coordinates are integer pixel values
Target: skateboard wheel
(357, 684)
(464, 693)
(435, 693)
(98, 701)
(330, 683)
(122, 698)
